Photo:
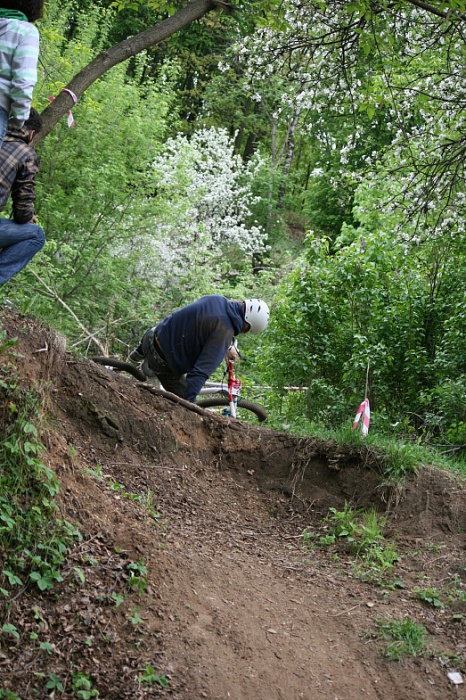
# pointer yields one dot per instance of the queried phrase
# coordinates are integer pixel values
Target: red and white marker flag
(70, 119)
(364, 410)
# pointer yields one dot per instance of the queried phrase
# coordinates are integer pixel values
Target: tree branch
(119, 53)
(431, 9)
(55, 296)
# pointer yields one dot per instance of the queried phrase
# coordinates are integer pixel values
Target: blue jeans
(3, 124)
(19, 243)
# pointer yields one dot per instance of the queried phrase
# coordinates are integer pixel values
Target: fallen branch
(345, 611)
(92, 335)
(173, 397)
(55, 296)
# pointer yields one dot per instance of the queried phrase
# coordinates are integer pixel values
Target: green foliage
(403, 638)
(159, 5)
(79, 574)
(82, 684)
(118, 599)
(135, 618)
(360, 532)
(379, 304)
(137, 576)
(120, 252)
(401, 458)
(6, 694)
(377, 566)
(429, 596)
(267, 209)
(10, 629)
(146, 500)
(55, 683)
(92, 188)
(150, 677)
(326, 208)
(33, 538)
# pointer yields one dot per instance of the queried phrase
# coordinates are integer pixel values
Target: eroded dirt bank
(233, 605)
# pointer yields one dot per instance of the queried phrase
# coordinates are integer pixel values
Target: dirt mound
(204, 517)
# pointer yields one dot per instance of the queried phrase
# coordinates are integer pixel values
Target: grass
(402, 638)
(360, 532)
(395, 458)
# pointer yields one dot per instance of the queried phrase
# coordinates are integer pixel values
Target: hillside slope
(233, 604)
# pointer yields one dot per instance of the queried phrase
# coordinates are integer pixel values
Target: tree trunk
(289, 156)
(119, 53)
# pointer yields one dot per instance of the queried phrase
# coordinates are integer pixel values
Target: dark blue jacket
(195, 339)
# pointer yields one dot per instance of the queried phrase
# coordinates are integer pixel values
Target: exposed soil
(234, 603)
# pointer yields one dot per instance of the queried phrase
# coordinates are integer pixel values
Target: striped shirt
(19, 165)
(19, 53)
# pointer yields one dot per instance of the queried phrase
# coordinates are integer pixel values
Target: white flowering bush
(198, 222)
(393, 77)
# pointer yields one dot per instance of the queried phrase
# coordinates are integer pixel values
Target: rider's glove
(232, 354)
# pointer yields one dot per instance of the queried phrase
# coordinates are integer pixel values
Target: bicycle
(224, 395)
(229, 396)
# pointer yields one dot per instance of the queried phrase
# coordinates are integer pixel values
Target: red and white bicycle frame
(232, 388)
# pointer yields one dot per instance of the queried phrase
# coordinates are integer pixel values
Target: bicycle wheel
(120, 365)
(215, 401)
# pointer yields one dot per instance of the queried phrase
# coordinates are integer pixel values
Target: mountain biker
(184, 349)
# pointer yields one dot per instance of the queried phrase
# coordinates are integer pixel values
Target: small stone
(455, 677)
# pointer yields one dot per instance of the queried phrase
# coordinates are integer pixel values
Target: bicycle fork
(234, 386)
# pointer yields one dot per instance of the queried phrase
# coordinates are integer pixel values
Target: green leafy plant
(150, 677)
(55, 683)
(13, 579)
(38, 615)
(32, 534)
(96, 473)
(45, 581)
(361, 534)
(79, 574)
(430, 596)
(360, 530)
(6, 694)
(82, 687)
(118, 599)
(146, 500)
(117, 487)
(135, 618)
(46, 646)
(10, 629)
(137, 575)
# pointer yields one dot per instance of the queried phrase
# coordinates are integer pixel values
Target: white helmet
(257, 314)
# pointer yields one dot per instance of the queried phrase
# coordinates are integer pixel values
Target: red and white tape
(70, 118)
(364, 411)
(288, 388)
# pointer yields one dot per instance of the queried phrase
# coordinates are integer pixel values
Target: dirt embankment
(208, 514)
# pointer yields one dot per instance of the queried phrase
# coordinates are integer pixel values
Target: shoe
(147, 370)
(135, 356)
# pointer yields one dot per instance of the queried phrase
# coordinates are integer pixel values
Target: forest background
(310, 153)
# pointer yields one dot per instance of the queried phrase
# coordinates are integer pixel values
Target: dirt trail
(258, 617)
(233, 604)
